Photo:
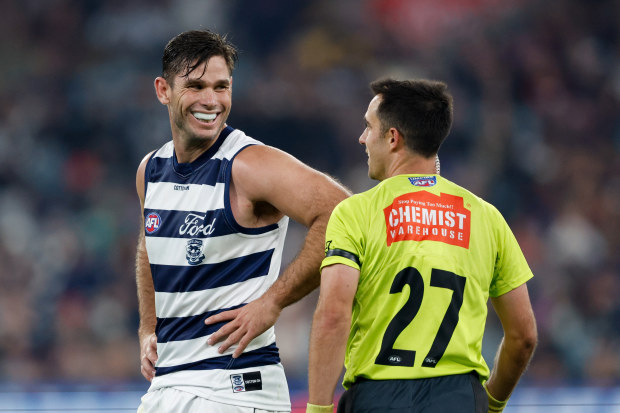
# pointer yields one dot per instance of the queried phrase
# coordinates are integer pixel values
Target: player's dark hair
(421, 110)
(190, 49)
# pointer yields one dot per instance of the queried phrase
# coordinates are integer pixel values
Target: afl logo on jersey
(152, 223)
(423, 181)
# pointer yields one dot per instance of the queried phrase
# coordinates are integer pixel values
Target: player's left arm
(330, 328)
(517, 347)
(265, 174)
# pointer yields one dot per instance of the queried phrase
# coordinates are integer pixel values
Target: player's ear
(162, 89)
(395, 139)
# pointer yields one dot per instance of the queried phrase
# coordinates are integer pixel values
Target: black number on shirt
(390, 356)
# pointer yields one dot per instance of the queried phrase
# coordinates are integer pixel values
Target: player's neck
(188, 151)
(412, 164)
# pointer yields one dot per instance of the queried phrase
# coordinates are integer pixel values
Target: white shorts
(168, 400)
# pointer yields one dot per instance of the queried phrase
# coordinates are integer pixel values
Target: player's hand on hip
(246, 323)
(148, 356)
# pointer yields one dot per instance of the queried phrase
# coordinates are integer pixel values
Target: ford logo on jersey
(152, 222)
(423, 180)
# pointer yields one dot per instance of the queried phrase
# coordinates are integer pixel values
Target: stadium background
(537, 132)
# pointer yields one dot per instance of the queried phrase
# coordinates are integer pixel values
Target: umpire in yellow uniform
(408, 271)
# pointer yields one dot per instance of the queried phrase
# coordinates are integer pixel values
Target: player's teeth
(204, 116)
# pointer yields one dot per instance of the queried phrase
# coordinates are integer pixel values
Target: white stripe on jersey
(173, 251)
(230, 145)
(165, 151)
(162, 195)
(198, 302)
(174, 353)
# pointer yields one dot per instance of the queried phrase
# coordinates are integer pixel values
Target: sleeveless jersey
(430, 253)
(203, 262)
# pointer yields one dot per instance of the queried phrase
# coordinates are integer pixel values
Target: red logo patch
(422, 216)
(152, 222)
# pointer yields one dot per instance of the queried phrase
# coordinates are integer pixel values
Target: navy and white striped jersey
(203, 262)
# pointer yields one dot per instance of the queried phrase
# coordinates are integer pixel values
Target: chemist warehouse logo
(422, 216)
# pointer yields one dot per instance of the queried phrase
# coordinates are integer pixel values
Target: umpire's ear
(396, 140)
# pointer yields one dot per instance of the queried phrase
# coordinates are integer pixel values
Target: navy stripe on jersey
(161, 171)
(169, 170)
(186, 169)
(255, 358)
(174, 279)
(182, 168)
(173, 223)
(345, 254)
(187, 328)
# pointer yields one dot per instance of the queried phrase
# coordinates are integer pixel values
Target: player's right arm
(146, 291)
(330, 329)
(517, 347)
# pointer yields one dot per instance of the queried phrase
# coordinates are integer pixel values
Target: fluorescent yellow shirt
(430, 253)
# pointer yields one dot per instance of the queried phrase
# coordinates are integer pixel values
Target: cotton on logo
(152, 222)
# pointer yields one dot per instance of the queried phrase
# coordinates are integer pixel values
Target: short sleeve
(344, 237)
(511, 268)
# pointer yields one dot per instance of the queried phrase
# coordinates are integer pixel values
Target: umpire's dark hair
(190, 49)
(420, 109)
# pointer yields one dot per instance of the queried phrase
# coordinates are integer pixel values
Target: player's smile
(205, 117)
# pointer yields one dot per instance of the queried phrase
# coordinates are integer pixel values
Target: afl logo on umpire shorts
(152, 222)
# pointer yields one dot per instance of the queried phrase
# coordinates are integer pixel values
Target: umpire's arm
(330, 329)
(517, 347)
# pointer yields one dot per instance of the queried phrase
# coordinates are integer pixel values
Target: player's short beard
(191, 139)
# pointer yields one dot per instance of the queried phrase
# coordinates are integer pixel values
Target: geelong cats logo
(194, 252)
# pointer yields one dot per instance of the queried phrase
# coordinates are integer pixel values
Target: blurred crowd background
(537, 133)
